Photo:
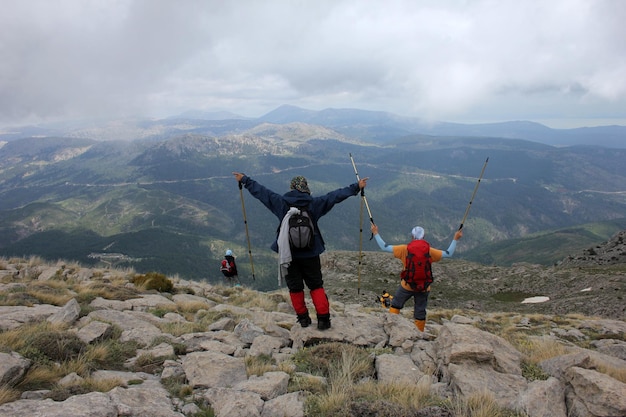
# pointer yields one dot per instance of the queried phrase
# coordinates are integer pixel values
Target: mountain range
(159, 194)
(369, 126)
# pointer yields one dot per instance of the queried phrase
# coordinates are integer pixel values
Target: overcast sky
(557, 62)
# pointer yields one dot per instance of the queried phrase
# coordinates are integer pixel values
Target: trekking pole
(362, 192)
(245, 221)
(360, 247)
(363, 200)
(473, 194)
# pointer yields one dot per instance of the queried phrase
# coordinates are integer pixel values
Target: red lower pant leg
(320, 301)
(297, 300)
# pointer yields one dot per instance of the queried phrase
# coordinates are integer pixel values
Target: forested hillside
(168, 201)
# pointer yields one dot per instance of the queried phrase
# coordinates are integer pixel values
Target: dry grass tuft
(40, 377)
(148, 363)
(61, 393)
(97, 353)
(153, 281)
(8, 394)
(334, 403)
(412, 396)
(258, 365)
(102, 385)
(207, 317)
(79, 365)
(110, 354)
(181, 328)
(369, 398)
(610, 370)
(35, 261)
(309, 383)
(246, 298)
(50, 292)
(481, 404)
(537, 349)
(353, 365)
(191, 306)
(321, 359)
(17, 339)
(110, 291)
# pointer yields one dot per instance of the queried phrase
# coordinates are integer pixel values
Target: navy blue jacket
(316, 206)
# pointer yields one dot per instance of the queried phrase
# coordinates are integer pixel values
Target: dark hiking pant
(307, 271)
(421, 300)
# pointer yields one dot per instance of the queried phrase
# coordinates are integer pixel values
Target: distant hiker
(416, 276)
(385, 299)
(299, 266)
(229, 268)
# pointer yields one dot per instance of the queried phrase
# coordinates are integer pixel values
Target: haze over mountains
(159, 194)
(374, 126)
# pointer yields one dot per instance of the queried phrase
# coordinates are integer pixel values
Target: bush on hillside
(153, 281)
(55, 345)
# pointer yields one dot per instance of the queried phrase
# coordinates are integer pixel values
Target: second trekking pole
(360, 245)
(362, 191)
(363, 200)
(245, 221)
(473, 194)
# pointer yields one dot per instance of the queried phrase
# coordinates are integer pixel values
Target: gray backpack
(301, 231)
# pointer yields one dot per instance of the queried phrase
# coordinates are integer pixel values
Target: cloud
(447, 60)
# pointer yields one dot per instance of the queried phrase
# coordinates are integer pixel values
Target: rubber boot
(420, 324)
(320, 301)
(394, 310)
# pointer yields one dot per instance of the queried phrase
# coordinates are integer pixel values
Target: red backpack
(418, 272)
(227, 268)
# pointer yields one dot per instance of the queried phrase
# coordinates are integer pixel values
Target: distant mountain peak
(207, 115)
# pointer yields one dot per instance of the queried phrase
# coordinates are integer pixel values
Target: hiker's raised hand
(238, 176)
(374, 229)
(363, 182)
(458, 235)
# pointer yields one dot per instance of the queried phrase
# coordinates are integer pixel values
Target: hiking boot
(304, 320)
(323, 322)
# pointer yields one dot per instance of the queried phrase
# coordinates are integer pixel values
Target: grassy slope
(545, 248)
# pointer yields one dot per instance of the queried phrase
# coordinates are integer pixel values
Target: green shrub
(153, 281)
(324, 359)
(116, 353)
(63, 393)
(57, 346)
(533, 372)
(148, 363)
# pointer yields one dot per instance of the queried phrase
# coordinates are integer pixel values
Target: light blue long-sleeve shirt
(389, 248)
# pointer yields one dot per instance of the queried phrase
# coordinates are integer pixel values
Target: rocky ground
(591, 283)
(188, 350)
(193, 346)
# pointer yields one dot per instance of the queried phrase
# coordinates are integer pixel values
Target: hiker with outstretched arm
(410, 287)
(302, 265)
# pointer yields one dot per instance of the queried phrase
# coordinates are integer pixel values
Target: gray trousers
(421, 300)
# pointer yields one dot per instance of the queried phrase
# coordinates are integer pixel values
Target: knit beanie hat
(299, 183)
(229, 252)
(417, 232)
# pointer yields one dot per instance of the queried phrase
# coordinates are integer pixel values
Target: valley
(167, 201)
